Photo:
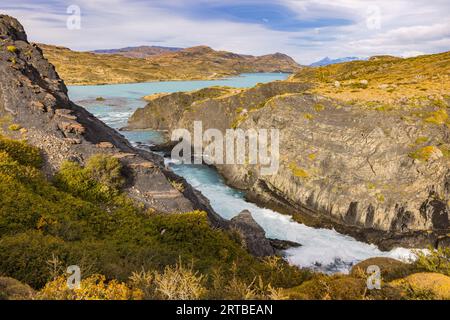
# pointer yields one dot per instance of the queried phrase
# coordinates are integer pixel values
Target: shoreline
(224, 77)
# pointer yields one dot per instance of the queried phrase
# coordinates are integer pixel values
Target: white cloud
(405, 26)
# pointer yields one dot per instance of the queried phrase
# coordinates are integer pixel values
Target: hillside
(197, 63)
(382, 79)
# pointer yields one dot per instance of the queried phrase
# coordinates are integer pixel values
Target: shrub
(390, 268)
(298, 172)
(15, 127)
(179, 283)
(11, 289)
(237, 289)
(425, 153)
(24, 256)
(435, 260)
(177, 185)
(424, 286)
(437, 117)
(12, 49)
(94, 287)
(144, 281)
(106, 170)
(340, 287)
(100, 180)
(21, 152)
(319, 107)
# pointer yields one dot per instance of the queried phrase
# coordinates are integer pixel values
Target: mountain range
(327, 61)
(138, 52)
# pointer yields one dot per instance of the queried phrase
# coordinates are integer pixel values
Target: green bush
(21, 152)
(98, 181)
(106, 170)
(82, 218)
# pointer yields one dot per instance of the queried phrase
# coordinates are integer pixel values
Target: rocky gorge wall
(379, 175)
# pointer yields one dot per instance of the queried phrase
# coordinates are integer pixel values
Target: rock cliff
(380, 174)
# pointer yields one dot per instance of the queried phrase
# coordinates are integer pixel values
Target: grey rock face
(341, 166)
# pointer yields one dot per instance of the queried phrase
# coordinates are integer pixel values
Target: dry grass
(382, 79)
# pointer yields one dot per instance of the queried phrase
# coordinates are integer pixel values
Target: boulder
(105, 145)
(283, 244)
(252, 234)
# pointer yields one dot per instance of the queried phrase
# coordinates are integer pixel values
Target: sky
(307, 30)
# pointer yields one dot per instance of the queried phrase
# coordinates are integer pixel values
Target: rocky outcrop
(380, 175)
(34, 98)
(254, 238)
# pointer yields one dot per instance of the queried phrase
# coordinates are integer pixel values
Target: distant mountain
(327, 61)
(138, 52)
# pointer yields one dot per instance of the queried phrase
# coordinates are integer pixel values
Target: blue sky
(307, 30)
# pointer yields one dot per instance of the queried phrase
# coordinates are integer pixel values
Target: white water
(322, 249)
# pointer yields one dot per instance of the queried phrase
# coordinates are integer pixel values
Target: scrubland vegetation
(82, 218)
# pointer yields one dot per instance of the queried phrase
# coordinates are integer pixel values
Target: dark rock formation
(33, 96)
(252, 234)
(254, 237)
(281, 245)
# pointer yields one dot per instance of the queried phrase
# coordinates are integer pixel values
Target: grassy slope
(389, 80)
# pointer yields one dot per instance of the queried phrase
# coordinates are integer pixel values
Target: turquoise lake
(322, 249)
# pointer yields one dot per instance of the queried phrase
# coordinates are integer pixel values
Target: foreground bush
(93, 288)
(82, 218)
(391, 269)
